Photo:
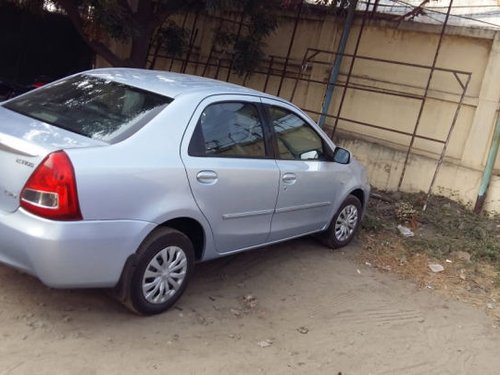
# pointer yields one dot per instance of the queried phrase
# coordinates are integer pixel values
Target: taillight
(51, 190)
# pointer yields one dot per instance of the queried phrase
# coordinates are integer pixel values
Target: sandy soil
(292, 308)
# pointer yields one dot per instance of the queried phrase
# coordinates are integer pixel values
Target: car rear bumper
(69, 254)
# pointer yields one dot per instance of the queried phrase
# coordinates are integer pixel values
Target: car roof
(171, 84)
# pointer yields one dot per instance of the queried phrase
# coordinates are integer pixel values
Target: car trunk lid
(24, 143)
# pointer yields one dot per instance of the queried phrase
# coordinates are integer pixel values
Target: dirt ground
(292, 308)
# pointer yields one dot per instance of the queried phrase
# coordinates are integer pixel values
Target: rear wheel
(163, 267)
(344, 224)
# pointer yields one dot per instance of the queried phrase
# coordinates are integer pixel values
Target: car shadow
(21, 293)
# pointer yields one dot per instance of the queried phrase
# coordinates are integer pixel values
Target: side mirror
(341, 156)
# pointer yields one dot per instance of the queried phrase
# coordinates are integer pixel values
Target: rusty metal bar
(186, 14)
(422, 105)
(240, 26)
(290, 45)
(395, 62)
(218, 69)
(460, 81)
(401, 94)
(194, 34)
(271, 60)
(303, 67)
(351, 67)
(445, 147)
(375, 6)
(246, 78)
(155, 53)
(207, 63)
(367, 124)
(335, 70)
(212, 48)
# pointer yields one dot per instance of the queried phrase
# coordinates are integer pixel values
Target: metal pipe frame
(421, 110)
(290, 46)
(351, 66)
(192, 39)
(488, 168)
(311, 56)
(330, 87)
(445, 146)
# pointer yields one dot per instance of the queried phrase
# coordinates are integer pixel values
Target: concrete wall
(476, 51)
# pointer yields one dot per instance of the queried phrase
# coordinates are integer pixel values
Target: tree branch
(126, 5)
(100, 48)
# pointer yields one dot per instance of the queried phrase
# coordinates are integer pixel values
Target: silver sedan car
(125, 178)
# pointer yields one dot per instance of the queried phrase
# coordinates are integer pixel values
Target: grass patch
(445, 227)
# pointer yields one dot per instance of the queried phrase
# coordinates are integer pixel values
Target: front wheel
(165, 263)
(344, 224)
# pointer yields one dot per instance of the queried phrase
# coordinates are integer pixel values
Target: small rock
(201, 319)
(235, 312)
(490, 306)
(37, 324)
(449, 261)
(249, 301)
(462, 274)
(396, 195)
(303, 330)
(265, 343)
(405, 231)
(368, 264)
(359, 271)
(461, 255)
(436, 267)
(479, 233)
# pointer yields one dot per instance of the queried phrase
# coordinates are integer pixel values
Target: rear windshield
(94, 107)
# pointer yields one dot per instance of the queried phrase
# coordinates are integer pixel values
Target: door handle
(206, 177)
(289, 178)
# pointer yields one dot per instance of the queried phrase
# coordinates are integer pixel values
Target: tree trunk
(144, 26)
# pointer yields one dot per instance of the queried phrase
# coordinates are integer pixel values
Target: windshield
(94, 107)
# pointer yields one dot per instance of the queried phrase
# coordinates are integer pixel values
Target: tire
(344, 225)
(153, 287)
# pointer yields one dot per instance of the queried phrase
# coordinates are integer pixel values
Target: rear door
(232, 176)
(309, 180)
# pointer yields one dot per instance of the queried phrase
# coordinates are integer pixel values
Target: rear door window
(94, 107)
(229, 129)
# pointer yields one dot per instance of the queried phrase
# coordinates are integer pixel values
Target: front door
(234, 181)
(309, 180)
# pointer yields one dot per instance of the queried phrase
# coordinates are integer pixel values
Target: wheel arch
(193, 230)
(358, 193)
